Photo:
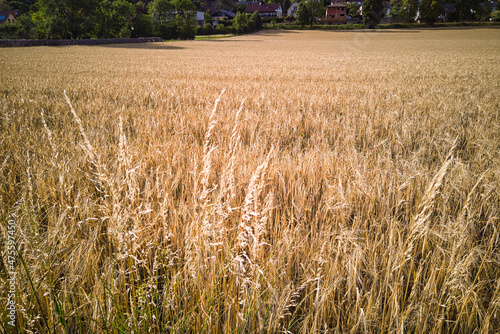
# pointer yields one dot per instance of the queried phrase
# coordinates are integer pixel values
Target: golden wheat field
(278, 182)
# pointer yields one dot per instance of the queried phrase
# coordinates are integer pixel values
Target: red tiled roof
(264, 7)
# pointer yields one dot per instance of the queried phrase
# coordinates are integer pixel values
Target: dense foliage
(75, 19)
(430, 10)
(466, 9)
(353, 9)
(245, 23)
(373, 12)
(308, 11)
(173, 19)
(176, 19)
(81, 19)
(405, 9)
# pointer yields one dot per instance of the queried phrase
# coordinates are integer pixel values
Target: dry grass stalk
(51, 139)
(419, 228)
(207, 151)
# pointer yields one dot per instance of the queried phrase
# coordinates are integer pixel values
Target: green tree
(451, 16)
(405, 9)
(114, 19)
(9, 30)
(199, 4)
(353, 9)
(185, 18)
(69, 19)
(430, 11)
(285, 4)
(373, 12)
(186, 25)
(255, 21)
(19, 5)
(103, 24)
(4, 5)
(207, 18)
(240, 23)
(304, 14)
(308, 11)
(122, 14)
(495, 16)
(27, 29)
(161, 11)
(226, 4)
(396, 8)
(466, 9)
(163, 19)
(141, 26)
(37, 19)
(173, 19)
(483, 12)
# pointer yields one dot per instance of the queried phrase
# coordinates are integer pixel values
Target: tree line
(426, 11)
(176, 19)
(430, 11)
(83, 19)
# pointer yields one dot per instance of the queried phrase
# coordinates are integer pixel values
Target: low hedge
(294, 26)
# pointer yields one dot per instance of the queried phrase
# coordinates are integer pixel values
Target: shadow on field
(145, 46)
(459, 28)
(382, 31)
(222, 40)
(417, 30)
(275, 32)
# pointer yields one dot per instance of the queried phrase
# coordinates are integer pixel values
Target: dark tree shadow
(145, 46)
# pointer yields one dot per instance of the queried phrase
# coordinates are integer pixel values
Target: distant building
(221, 14)
(218, 15)
(336, 12)
(8, 16)
(494, 5)
(200, 18)
(265, 10)
(292, 10)
(387, 9)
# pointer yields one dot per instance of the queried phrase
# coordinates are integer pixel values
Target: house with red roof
(336, 12)
(265, 10)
